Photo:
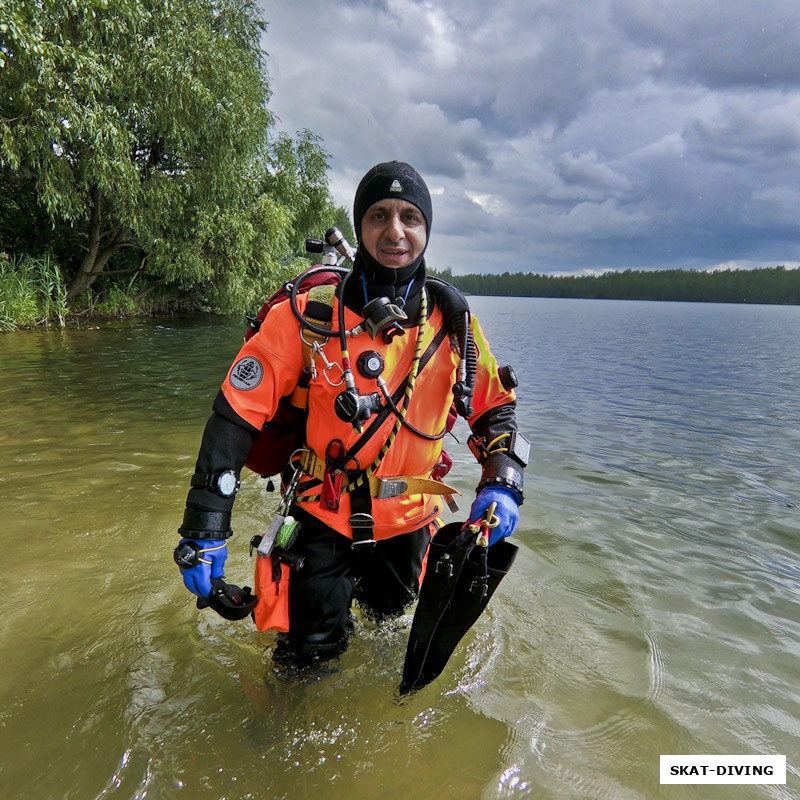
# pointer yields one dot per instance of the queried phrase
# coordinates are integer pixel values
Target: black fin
(460, 578)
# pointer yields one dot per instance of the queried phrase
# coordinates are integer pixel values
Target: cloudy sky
(561, 135)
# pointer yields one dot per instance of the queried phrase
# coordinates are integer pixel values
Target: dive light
(334, 237)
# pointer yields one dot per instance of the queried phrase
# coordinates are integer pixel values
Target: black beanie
(393, 179)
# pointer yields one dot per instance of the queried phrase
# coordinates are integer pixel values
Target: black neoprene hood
(395, 180)
(392, 179)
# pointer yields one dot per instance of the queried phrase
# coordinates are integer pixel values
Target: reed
(32, 292)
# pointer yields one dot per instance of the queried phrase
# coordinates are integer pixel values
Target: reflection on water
(653, 607)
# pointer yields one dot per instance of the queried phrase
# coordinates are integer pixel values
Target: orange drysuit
(270, 364)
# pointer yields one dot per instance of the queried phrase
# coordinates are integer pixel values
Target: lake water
(654, 607)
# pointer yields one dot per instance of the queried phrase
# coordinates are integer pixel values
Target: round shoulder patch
(246, 374)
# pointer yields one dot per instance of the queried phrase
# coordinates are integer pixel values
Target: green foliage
(254, 244)
(31, 291)
(117, 303)
(143, 124)
(775, 285)
(341, 220)
(297, 174)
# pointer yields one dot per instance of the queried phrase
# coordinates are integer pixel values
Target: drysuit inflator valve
(350, 406)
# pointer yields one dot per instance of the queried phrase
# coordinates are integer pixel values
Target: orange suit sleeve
(489, 391)
(267, 367)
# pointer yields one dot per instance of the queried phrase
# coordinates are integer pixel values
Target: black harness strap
(361, 520)
(382, 415)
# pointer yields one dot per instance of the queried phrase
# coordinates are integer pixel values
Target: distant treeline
(776, 285)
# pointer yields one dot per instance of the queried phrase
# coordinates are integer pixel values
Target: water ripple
(654, 606)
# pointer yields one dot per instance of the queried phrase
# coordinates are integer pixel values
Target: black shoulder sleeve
(227, 440)
(496, 421)
(452, 301)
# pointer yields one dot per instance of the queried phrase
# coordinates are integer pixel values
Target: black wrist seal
(206, 524)
(500, 469)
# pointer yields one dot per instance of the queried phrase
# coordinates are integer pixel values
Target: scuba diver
(380, 360)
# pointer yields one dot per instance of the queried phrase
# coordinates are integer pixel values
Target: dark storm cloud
(722, 45)
(561, 135)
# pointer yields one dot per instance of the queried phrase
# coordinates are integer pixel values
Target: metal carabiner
(313, 346)
(316, 349)
(287, 494)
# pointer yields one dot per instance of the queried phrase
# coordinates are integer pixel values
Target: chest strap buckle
(385, 488)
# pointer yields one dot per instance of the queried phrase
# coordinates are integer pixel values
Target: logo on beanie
(395, 187)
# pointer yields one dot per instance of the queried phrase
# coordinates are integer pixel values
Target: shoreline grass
(32, 293)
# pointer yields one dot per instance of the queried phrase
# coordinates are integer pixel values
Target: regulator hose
(431, 437)
(463, 388)
(293, 288)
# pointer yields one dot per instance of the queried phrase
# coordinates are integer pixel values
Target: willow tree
(142, 125)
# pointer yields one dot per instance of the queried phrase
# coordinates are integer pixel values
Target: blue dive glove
(506, 510)
(201, 561)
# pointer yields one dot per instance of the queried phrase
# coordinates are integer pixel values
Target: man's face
(393, 232)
